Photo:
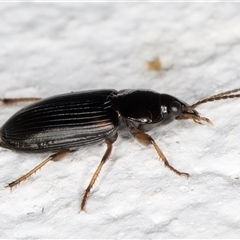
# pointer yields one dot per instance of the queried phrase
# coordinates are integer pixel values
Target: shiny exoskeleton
(66, 122)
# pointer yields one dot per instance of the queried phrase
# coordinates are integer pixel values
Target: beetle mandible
(63, 123)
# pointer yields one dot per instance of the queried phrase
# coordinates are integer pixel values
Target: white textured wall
(54, 48)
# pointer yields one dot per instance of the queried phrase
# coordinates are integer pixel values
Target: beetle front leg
(54, 157)
(145, 139)
(96, 173)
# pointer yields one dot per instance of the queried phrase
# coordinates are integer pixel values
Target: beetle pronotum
(64, 123)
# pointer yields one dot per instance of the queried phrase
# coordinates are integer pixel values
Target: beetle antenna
(220, 96)
(191, 113)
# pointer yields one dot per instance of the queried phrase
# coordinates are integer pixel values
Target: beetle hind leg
(145, 139)
(7, 101)
(54, 157)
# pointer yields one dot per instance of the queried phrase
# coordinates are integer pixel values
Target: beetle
(66, 122)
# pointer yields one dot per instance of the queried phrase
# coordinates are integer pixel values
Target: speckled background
(53, 48)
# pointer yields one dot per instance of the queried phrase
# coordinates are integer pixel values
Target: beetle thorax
(141, 106)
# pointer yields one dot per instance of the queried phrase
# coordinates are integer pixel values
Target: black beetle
(64, 123)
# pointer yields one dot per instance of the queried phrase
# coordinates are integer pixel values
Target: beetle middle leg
(145, 139)
(54, 157)
(96, 173)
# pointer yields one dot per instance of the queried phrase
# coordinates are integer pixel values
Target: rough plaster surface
(52, 48)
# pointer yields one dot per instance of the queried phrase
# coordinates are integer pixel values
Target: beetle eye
(176, 108)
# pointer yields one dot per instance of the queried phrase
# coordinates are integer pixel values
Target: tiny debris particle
(154, 65)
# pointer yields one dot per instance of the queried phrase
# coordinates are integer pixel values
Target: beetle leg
(54, 157)
(145, 139)
(96, 173)
(16, 100)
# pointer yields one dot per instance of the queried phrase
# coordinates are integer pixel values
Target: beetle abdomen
(66, 121)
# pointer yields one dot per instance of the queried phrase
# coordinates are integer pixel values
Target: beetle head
(175, 108)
